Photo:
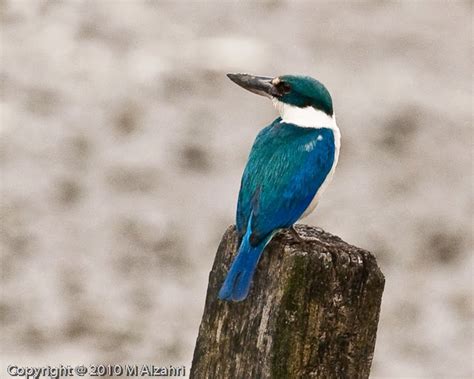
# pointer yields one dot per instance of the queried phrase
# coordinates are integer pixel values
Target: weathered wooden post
(312, 312)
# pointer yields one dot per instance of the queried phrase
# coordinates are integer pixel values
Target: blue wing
(286, 167)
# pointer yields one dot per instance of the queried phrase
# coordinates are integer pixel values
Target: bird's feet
(295, 234)
(301, 239)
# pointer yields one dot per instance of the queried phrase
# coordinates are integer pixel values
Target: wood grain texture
(312, 312)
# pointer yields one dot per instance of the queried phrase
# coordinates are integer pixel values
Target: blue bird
(290, 164)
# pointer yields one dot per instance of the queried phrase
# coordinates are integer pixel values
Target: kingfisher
(291, 163)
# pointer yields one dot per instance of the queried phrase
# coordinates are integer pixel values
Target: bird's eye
(283, 88)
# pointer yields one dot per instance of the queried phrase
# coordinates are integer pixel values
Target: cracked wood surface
(312, 312)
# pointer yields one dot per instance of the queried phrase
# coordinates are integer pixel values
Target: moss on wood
(312, 312)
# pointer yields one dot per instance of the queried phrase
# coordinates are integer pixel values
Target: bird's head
(299, 99)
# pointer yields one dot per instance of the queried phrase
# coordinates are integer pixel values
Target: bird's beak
(261, 85)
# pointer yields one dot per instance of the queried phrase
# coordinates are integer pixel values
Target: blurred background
(123, 143)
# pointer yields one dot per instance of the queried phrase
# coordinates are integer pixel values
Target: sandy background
(123, 142)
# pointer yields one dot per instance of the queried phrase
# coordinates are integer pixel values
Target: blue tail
(237, 283)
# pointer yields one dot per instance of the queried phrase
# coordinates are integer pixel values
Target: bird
(291, 163)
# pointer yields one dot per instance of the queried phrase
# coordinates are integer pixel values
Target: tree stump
(312, 312)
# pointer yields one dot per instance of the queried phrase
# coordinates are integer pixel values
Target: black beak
(260, 85)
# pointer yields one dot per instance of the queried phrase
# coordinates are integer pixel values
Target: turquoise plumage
(286, 167)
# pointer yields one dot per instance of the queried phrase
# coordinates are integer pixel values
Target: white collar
(307, 117)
